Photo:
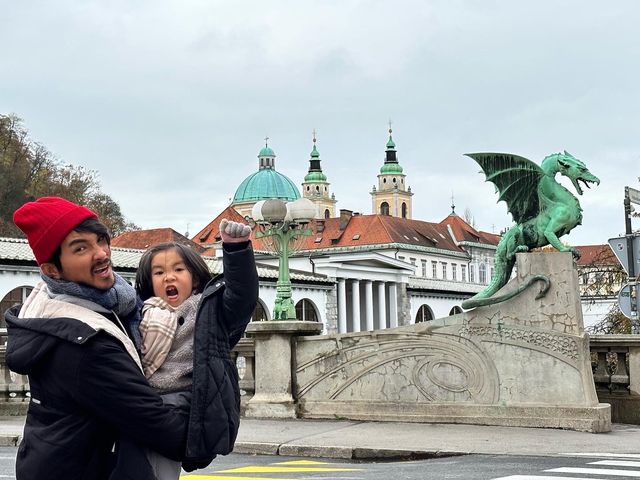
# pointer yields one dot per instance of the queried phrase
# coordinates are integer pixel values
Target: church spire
(315, 170)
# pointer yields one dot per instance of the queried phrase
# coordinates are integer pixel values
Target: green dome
(315, 177)
(266, 152)
(266, 183)
(391, 169)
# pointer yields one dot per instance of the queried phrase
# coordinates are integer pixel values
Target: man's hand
(234, 232)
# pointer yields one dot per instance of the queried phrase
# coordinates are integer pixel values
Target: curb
(338, 452)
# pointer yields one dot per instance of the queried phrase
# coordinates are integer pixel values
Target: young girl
(186, 313)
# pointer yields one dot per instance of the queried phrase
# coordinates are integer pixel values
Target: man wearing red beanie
(76, 337)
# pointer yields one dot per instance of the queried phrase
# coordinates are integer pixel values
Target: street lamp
(283, 226)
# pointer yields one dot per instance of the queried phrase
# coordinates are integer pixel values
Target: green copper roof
(390, 169)
(266, 152)
(314, 152)
(266, 183)
(390, 144)
(315, 177)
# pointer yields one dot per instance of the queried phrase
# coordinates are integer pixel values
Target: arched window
(424, 314)
(483, 273)
(14, 297)
(384, 208)
(455, 310)
(327, 213)
(404, 210)
(260, 313)
(306, 311)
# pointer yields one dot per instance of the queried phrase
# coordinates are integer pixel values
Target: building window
(404, 210)
(424, 314)
(327, 213)
(455, 310)
(434, 269)
(444, 270)
(384, 208)
(472, 274)
(463, 273)
(412, 261)
(482, 274)
(259, 313)
(454, 272)
(305, 311)
(424, 268)
(400, 257)
(14, 297)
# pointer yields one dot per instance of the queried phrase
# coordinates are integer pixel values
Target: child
(179, 316)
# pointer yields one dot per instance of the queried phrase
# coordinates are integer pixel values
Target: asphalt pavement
(370, 440)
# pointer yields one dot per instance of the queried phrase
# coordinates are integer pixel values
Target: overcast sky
(170, 100)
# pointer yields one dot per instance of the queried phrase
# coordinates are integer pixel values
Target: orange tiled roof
(596, 255)
(466, 233)
(210, 234)
(374, 230)
(143, 239)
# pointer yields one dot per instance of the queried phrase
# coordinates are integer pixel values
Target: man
(72, 337)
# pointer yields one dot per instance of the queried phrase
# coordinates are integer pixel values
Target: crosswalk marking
(616, 463)
(212, 476)
(543, 477)
(596, 471)
(284, 469)
(602, 455)
(301, 462)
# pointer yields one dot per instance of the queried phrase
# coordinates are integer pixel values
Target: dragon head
(574, 169)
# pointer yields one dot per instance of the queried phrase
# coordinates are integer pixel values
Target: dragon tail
(502, 271)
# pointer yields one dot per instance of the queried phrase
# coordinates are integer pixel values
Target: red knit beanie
(47, 222)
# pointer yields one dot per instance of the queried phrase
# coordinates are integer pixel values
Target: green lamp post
(283, 226)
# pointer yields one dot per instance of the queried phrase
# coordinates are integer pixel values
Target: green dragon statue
(542, 209)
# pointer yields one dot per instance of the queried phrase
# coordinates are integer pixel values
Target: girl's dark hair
(90, 225)
(194, 263)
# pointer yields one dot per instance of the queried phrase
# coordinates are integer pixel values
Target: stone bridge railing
(615, 361)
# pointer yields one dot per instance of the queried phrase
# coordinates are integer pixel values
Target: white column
(342, 306)
(368, 303)
(382, 306)
(393, 305)
(355, 304)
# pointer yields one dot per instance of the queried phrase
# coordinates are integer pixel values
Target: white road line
(616, 463)
(605, 455)
(544, 477)
(596, 471)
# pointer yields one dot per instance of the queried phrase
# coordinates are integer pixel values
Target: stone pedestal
(274, 342)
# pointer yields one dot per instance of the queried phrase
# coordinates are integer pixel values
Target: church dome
(266, 182)
(391, 169)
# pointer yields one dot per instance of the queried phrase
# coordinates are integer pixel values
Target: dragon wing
(516, 179)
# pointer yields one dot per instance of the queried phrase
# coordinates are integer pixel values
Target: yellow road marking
(301, 462)
(227, 477)
(271, 469)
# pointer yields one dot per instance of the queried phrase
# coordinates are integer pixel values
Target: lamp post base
(273, 383)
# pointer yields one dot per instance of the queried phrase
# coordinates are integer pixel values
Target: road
(467, 467)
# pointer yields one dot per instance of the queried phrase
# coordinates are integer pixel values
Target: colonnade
(376, 309)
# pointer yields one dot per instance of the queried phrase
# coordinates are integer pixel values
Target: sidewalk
(360, 440)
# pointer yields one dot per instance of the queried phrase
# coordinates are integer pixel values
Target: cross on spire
(453, 204)
(266, 141)
(390, 130)
(314, 135)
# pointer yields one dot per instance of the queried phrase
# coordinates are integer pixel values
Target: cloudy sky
(170, 100)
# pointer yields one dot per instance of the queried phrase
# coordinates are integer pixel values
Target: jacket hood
(31, 339)
(35, 328)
